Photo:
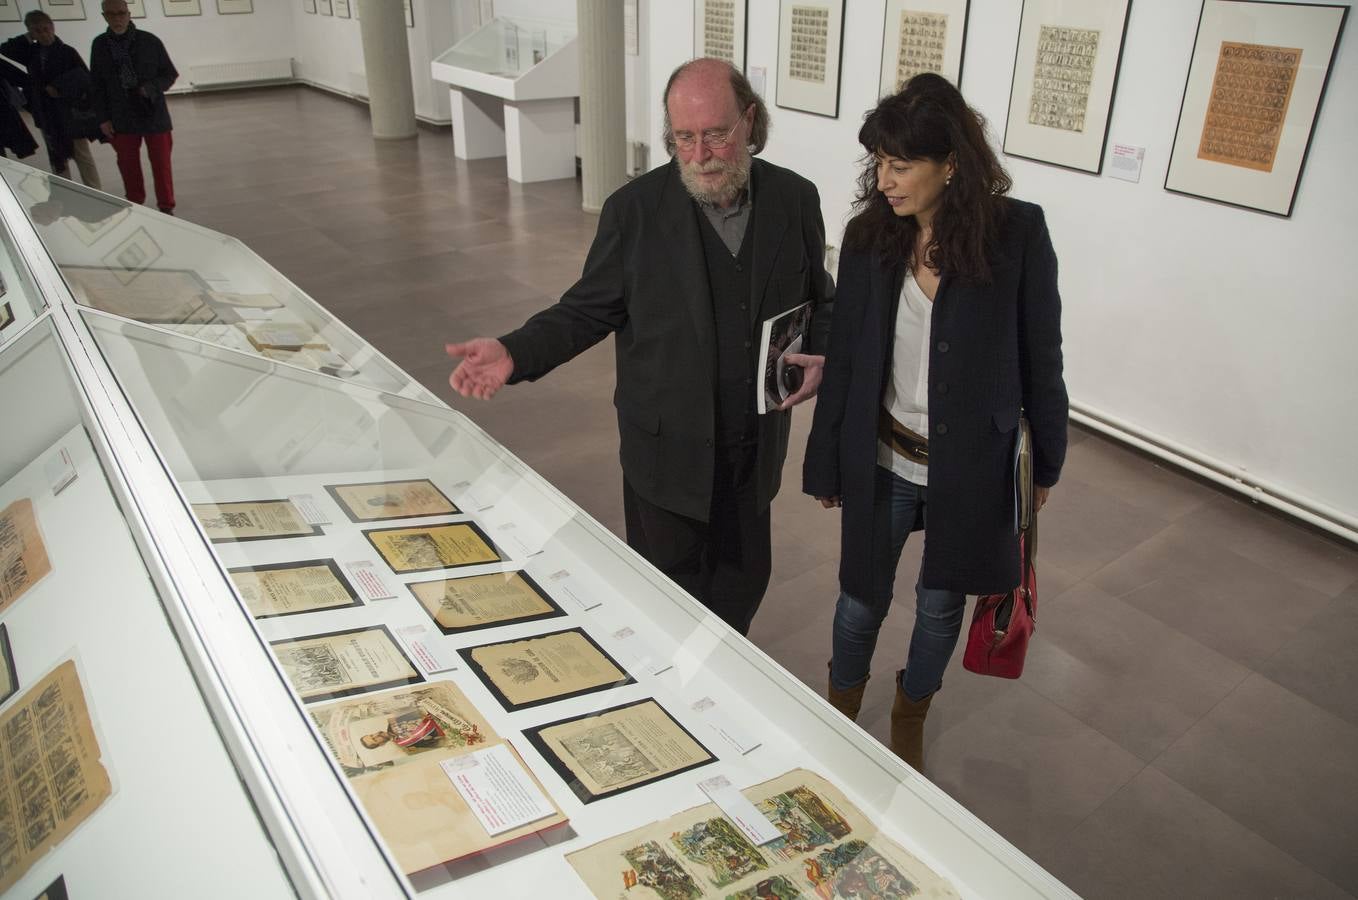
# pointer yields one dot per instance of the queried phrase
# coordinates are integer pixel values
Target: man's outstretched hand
(484, 368)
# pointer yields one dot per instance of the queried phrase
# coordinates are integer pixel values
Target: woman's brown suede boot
(847, 702)
(907, 727)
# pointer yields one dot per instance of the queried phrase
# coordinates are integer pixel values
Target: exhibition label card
(751, 822)
(497, 790)
(639, 653)
(310, 510)
(366, 576)
(575, 590)
(425, 649)
(1125, 162)
(60, 470)
(725, 727)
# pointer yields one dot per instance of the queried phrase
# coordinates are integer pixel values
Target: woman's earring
(947, 181)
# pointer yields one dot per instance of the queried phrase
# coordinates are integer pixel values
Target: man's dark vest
(729, 280)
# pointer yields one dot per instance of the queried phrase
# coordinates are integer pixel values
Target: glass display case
(428, 670)
(512, 84)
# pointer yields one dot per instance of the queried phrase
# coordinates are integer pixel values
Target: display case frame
(328, 842)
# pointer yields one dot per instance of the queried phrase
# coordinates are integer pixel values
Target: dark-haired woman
(947, 327)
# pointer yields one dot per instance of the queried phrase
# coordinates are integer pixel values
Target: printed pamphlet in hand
(783, 335)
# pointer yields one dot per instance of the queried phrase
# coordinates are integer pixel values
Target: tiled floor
(1188, 725)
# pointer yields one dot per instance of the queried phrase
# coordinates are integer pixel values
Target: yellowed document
(253, 520)
(52, 778)
(379, 500)
(288, 588)
(23, 557)
(430, 547)
(322, 666)
(480, 601)
(607, 752)
(543, 668)
(393, 745)
(158, 296)
(829, 849)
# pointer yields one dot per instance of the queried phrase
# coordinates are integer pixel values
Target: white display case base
(478, 124)
(540, 139)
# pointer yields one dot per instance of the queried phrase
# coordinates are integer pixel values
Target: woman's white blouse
(907, 393)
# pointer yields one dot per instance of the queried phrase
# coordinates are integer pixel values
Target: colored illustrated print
(804, 820)
(775, 888)
(855, 871)
(724, 851)
(652, 867)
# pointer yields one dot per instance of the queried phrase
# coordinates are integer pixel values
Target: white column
(386, 58)
(603, 100)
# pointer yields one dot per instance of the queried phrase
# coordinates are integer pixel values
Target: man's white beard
(735, 175)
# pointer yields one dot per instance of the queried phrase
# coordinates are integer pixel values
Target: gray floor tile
(1184, 847)
(1084, 527)
(1320, 662)
(1283, 768)
(1135, 679)
(1029, 769)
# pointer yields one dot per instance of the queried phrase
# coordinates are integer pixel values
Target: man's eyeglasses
(712, 140)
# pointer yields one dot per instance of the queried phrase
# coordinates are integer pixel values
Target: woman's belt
(902, 441)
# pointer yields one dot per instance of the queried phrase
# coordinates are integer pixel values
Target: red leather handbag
(1003, 623)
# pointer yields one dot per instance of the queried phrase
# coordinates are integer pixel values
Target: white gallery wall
(1228, 332)
(190, 40)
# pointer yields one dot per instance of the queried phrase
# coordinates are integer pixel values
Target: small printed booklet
(783, 335)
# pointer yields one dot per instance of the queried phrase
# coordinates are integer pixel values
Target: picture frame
(324, 8)
(137, 8)
(720, 30)
(64, 10)
(309, 6)
(10, 12)
(235, 7)
(410, 13)
(810, 52)
(1065, 77)
(1257, 164)
(923, 36)
(182, 7)
(342, 9)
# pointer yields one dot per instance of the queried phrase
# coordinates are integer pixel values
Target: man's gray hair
(745, 96)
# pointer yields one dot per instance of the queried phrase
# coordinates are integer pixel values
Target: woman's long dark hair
(929, 119)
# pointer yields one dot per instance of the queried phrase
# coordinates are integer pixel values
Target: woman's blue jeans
(938, 614)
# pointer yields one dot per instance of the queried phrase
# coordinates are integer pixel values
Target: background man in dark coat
(58, 88)
(688, 261)
(131, 73)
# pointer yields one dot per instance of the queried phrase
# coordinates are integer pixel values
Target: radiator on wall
(234, 73)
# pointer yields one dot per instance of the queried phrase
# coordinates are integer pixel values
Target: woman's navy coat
(996, 350)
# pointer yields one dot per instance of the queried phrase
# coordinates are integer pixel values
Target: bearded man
(687, 263)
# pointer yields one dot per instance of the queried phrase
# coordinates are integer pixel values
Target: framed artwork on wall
(410, 13)
(9, 11)
(1065, 75)
(1255, 85)
(342, 9)
(235, 7)
(137, 8)
(64, 10)
(309, 6)
(324, 8)
(182, 7)
(719, 30)
(810, 44)
(922, 36)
